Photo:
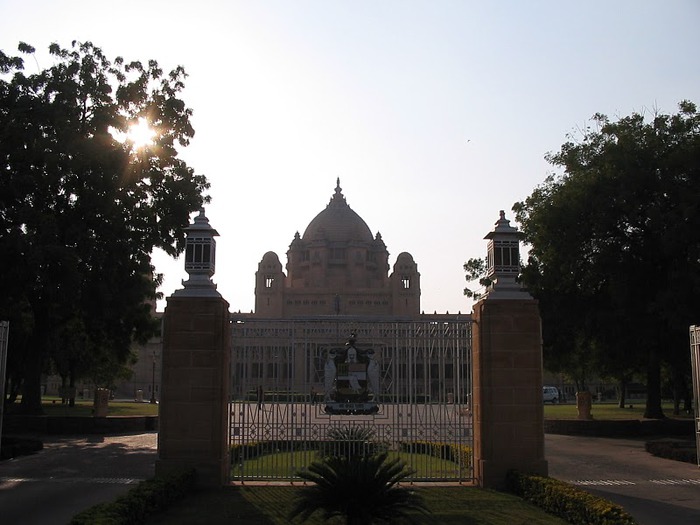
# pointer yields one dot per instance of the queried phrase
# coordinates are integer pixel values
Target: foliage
(81, 209)
(12, 447)
(255, 449)
(147, 498)
(350, 440)
(677, 449)
(362, 489)
(459, 454)
(574, 505)
(475, 270)
(615, 248)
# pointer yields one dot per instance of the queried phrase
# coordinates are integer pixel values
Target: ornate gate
(695, 361)
(303, 388)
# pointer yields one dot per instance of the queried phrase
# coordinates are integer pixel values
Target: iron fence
(302, 389)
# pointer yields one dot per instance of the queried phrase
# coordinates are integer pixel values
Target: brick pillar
(508, 410)
(195, 388)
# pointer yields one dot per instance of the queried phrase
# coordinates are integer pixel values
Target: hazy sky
(434, 114)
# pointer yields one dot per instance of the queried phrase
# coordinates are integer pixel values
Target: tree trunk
(653, 408)
(623, 393)
(31, 389)
(13, 389)
(71, 385)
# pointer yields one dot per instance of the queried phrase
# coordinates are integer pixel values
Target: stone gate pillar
(194, 406)
(508, 410)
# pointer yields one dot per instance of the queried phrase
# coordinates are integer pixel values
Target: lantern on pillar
(503, 258)
(200, 259)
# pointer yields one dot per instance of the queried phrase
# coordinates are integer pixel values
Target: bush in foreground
(574, 505)
(147, 498)
(362, 489)
(679, 450)
(13, 447)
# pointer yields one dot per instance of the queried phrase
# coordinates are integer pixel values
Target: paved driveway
(655, 491)
(72, 474)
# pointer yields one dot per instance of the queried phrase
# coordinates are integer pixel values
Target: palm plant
(362, 489)
(350, 441)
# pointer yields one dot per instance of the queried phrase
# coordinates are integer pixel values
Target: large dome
(338, 223)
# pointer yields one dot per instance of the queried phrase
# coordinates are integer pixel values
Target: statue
(329, 375)
(373, 374)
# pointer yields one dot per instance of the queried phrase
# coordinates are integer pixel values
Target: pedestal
(508, 411)
(584, 402)
(194, 402)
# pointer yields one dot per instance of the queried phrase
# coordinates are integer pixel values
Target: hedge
(12, 447)
(145, 499)
(679, 450)
(572, 504)
(460, 454)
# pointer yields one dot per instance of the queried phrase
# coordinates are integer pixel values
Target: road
(655, 491)
(71, 474)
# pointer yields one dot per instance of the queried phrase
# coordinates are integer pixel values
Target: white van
(550, 394)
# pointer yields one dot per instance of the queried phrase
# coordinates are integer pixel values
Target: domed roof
(270, 261)
(338, 223)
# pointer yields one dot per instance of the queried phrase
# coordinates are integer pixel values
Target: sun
(140, 134)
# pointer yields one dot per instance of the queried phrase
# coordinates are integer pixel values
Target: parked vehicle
(550, 394)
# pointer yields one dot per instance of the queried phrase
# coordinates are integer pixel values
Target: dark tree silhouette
(81, 208)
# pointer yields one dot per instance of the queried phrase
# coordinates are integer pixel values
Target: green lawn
(269, 506)
(282, 464)
(83, 407)
(605, 411)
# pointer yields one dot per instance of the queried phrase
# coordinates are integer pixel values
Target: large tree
(82, 208)
(615, 245)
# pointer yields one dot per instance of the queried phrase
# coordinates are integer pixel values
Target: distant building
(337, 283)
(337, 267)
(337, 271)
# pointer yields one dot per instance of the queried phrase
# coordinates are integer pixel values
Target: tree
(615, 244)
(81, 208)
(475, 270)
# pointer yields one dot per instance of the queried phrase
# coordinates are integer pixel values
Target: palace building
(339, 284)
(337, 267)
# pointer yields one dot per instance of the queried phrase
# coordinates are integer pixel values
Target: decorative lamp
(503, 258)
(200, 259)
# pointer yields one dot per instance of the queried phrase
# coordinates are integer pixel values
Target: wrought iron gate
(695, 361)
(301, 388)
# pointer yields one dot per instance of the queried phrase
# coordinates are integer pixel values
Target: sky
(434, 114)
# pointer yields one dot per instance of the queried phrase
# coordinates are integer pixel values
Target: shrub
(362, 489)
(460, 454)
(679, 450)
(13, 447)
(147, 498)
(255, 449)
(351, 441)
(574, 505)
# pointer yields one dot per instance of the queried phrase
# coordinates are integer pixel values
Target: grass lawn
(83, 407)
(606, 411)
(269, 506)
(282, 464)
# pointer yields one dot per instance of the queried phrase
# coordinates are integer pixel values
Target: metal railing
(4, 339)
(695, 362)
(302, 389)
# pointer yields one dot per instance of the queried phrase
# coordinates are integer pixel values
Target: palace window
(338, 254)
